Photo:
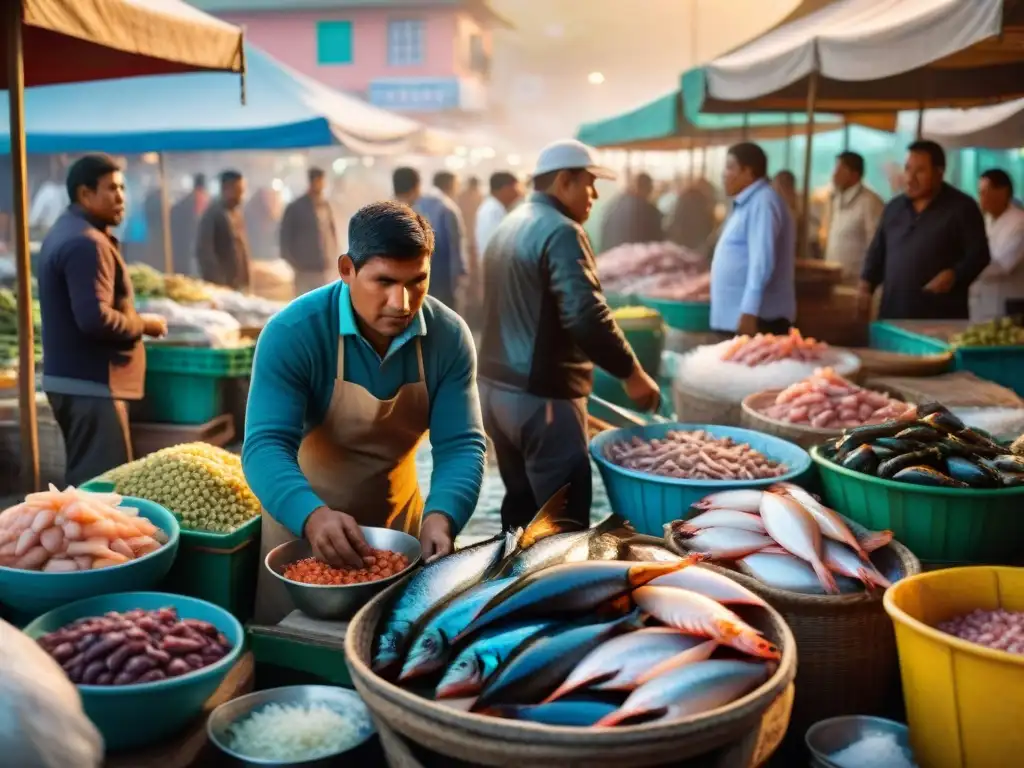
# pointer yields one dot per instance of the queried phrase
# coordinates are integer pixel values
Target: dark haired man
(222, 246)
(999, 290)
(309, 241)
(185, 215)
(546, 324)
(347, 382)
(853, 215)
(632, 217)
(506, 191)
(93, 360)
(753, 281)
(929, 247)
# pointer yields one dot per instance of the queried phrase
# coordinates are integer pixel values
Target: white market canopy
(873, 55)
(1000, 126)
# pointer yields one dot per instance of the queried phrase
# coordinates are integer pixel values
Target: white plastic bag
(42, 724)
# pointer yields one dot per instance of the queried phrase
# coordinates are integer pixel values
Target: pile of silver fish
(573, 627)
(928, 445)
(783, 537)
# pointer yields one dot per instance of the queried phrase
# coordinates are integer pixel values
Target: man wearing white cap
(546, 324)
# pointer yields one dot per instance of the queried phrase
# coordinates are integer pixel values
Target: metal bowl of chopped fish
(833, 742)
(230, 728)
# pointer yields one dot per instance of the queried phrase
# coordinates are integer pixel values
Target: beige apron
(362, 461)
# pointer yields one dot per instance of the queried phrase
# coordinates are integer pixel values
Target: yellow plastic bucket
(965, 702)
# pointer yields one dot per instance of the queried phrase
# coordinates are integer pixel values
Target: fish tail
(643, 573)
(825, 576)
(614, 718)
(875, 540)
(548, 520)
(871, 576)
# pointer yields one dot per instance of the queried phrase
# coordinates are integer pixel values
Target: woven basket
(734, 731)
(848, 660)
(693, 407)
(875, 362)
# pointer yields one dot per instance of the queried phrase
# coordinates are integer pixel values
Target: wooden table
(191, 748)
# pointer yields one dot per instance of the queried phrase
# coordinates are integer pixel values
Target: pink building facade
(407, 56)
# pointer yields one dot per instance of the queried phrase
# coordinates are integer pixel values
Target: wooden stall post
(19, 171)
(165, 215)
(802, 240)
(788, 163)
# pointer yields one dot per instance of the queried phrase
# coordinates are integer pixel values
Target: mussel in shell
(944, 421)
(927, 409)
(861, 459)
(922, 433)
(928, 457)
(974, 474)
(1005, 463)
(921, 475)
(858, 436)
(897, 444)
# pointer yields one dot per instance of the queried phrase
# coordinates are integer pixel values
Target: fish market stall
(710, 382)
(824, 574)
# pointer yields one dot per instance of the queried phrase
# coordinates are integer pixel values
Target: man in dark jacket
(185, 215)
(930, 245)
(632, 217)
(222, 247)
(93, 359)
(546, 324)
(309, 241)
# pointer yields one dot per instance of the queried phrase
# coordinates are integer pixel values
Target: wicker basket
(875, 362)
(694, 407)
(848, 660)
(728, 737)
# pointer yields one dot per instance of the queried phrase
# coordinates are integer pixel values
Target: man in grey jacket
(546, 324)
(309, 240)
(222, 246)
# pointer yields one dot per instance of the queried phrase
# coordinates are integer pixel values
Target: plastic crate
(1002, 365)
(198, 361)
(892, 338)
(177, 398)
(693, 316)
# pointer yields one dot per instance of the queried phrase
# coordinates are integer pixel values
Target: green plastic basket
(646, 335)
(892, 338)
(197, 361)
(176, 398)
(955, 525)
(617, 300)
(693, 316)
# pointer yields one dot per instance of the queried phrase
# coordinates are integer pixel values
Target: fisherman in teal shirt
(346, 383)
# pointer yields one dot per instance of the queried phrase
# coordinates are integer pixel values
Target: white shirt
(48, 204)
(853, 218)
(1003, 278)
(488, 216)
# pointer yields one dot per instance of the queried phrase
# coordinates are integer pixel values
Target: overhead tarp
(661, 126)
(80, 40)
(872, 56)
(1000, 126)
(201, 111)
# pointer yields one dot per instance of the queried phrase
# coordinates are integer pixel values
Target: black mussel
(927, 409)
(882, 453)
(981, 442)
(944, 421)
(974, 474)
(951, 445)
(920, 475)
(861, 459)
(930, 457)
(922, 433)
(897, 445)
(856, 437)
(1006, 462)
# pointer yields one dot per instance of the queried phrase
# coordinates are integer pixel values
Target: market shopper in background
(185, 215)
(693, 222)
(346, 382)
(309, 240)
(546, 324)
(448, 264)
(784, 183)
(93, 360)
(929, 247)
(753, 281)
(506, 191)
(999, 289)
(222, 245)
(854, 211)
(633, 217)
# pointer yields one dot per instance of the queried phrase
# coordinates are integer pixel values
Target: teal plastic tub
(30, 593)
(199, 361)
(1003, 365)
(135, 716)
(617, 300)
(692, 316)
(649, 501)
(182, 398)
(892, 338)
(953, 525)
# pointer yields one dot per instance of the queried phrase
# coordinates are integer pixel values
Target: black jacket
(631, 219)
(309, 241)
(222, 247)
(546, 321)
(91, 332)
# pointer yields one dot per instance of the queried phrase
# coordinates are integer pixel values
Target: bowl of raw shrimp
(80, 545)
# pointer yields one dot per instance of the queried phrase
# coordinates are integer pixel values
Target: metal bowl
(827, 737)
(342, 700)
(341, 601)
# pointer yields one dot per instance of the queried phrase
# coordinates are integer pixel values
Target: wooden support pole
(803, 236)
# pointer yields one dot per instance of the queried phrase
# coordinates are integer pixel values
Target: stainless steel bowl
(339, 602)
(827, 737)
(342, 700)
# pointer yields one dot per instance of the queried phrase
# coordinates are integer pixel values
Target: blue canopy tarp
(201, 112)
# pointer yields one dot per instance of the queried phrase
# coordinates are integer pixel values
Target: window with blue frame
(405, 42)
(334, 42)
